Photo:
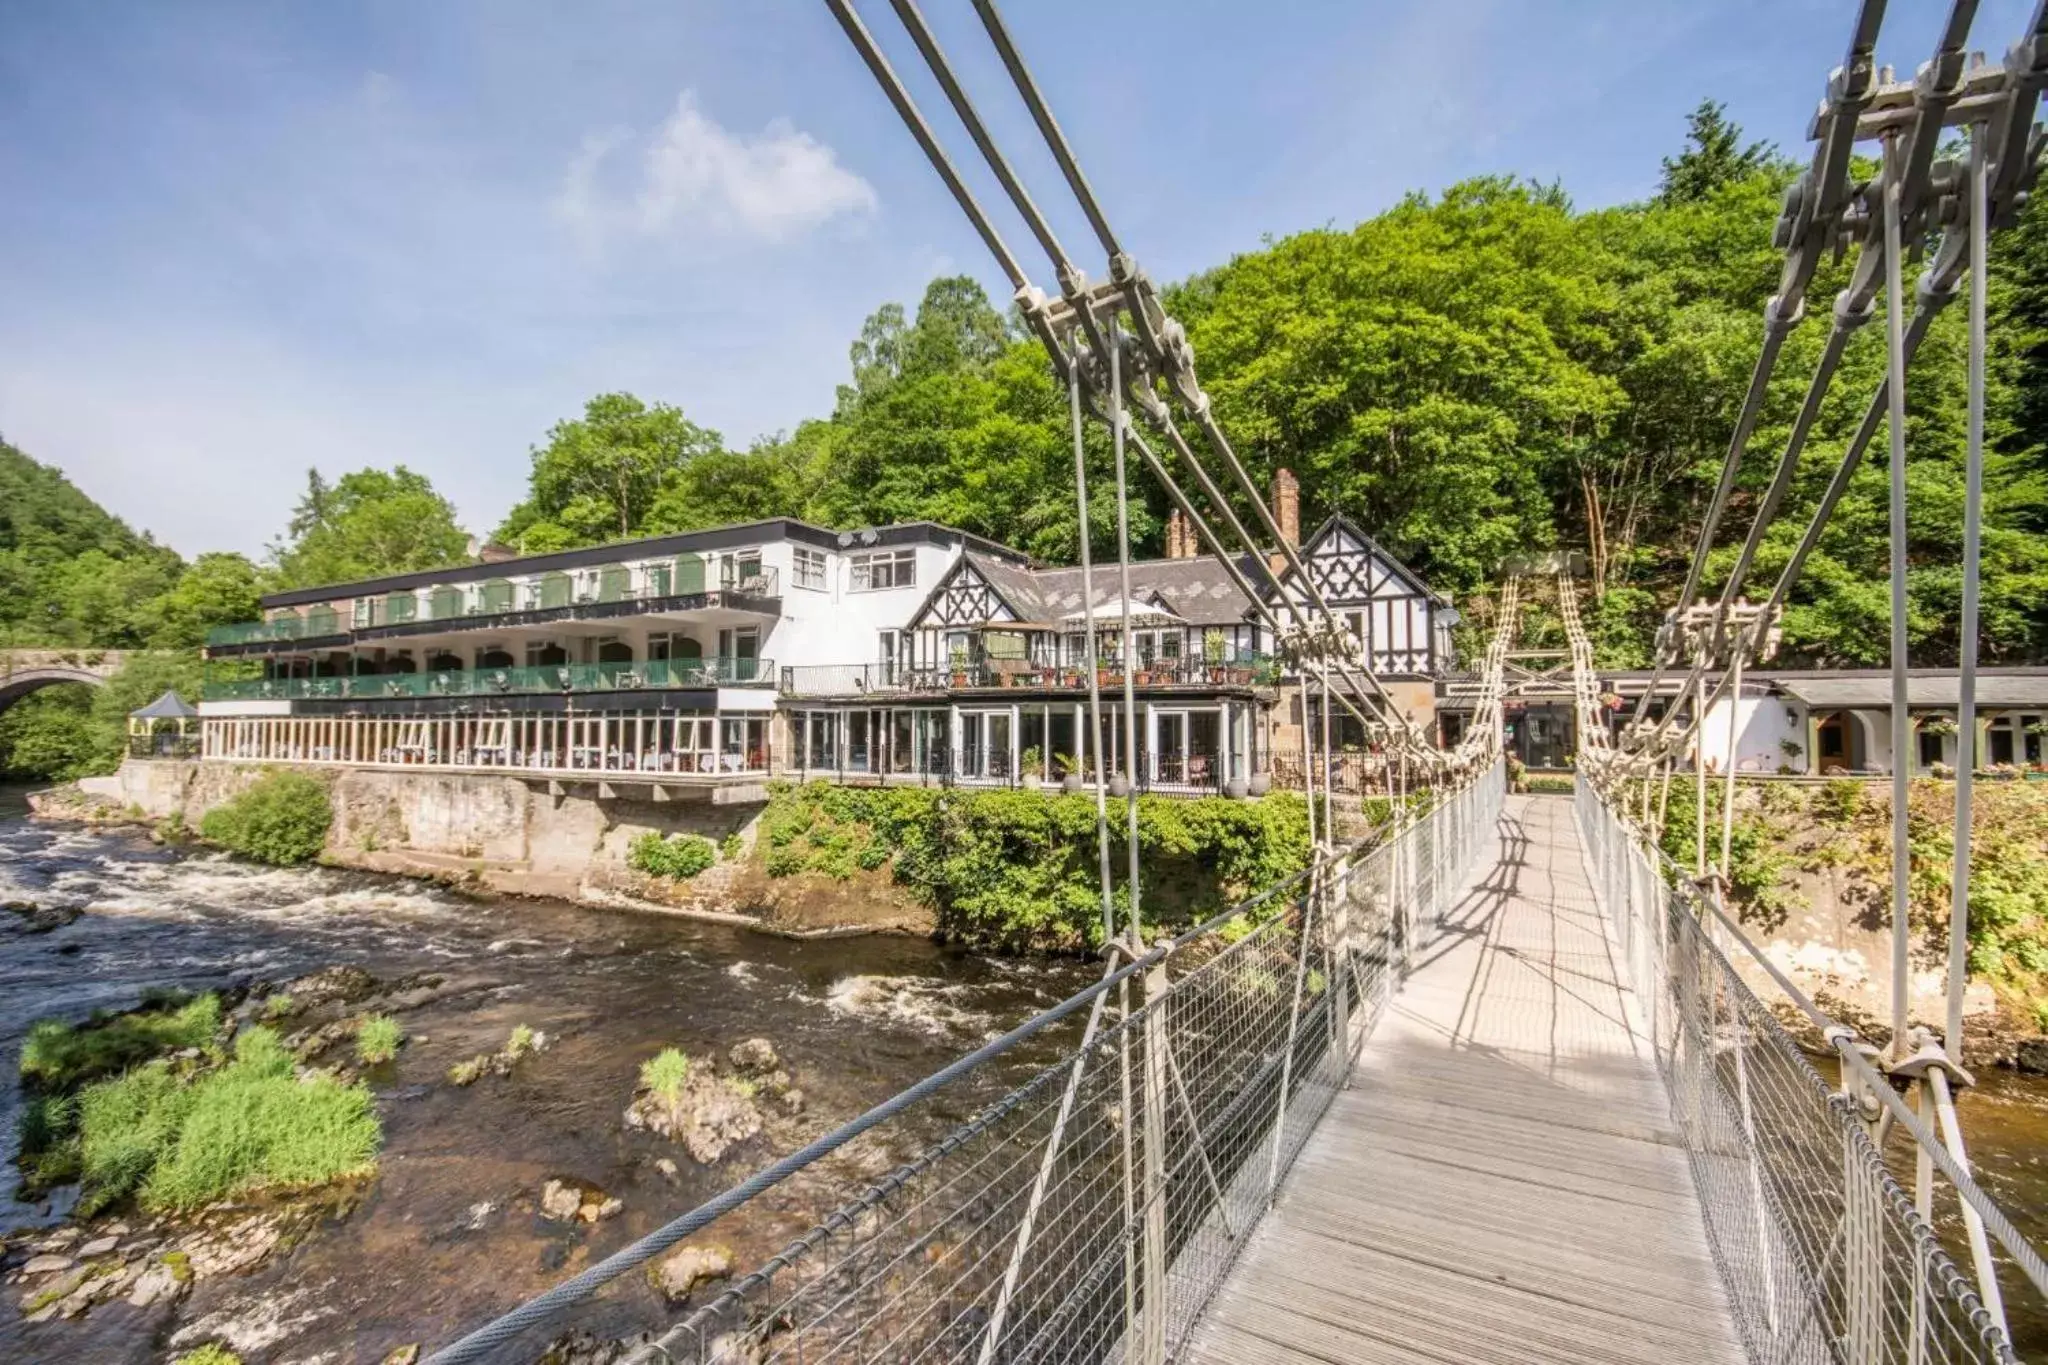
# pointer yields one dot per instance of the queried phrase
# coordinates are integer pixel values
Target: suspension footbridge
(1499, 1081)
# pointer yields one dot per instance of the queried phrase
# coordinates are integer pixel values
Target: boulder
(47, 1264)
(559, 1201)
(344, 984)
(754, 1057)
(2032, 1057)
(158, 1284)
(709, 1115)
(99, 1246)
(690, 1266)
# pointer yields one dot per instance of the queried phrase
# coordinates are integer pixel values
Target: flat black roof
(647, 547)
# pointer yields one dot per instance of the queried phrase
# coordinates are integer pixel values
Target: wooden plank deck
(1500, 1182)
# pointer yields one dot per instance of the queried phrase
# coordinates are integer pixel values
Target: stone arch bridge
(24, 671)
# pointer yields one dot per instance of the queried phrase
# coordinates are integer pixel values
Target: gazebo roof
(170, 706)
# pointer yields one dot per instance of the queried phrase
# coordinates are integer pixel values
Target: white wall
(838, 625)
(1763, 724)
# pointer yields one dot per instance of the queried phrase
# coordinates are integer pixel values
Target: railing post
(1862, 1250)
(1152, 1261)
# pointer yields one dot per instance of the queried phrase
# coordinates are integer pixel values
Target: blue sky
(239, 239)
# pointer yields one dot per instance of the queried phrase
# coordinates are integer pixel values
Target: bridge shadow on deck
(1500, 1181)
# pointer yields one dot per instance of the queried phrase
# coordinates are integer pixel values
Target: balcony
(856, 680)
(499, 603)
(653, 674)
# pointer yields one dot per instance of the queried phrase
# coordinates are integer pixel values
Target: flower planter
(1259, 784)
(1071, 783)
(1119, 785)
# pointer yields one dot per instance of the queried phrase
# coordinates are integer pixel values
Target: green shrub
(60, 1057)
(378, 1039)
(253, 1125)
(278, 1006)
(1020, 866)
(663, 1074)
(732, 847)
(680, 856)
(1839, 800)
(283, 819)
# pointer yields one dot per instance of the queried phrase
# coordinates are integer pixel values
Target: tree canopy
(366, 524)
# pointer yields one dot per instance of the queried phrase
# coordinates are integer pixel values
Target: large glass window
(821, 739)
(810, 568)
(885, 569)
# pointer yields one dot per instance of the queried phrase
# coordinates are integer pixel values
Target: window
(886, 569)
(810, 568)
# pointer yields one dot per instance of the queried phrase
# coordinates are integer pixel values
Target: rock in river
(689, 1267)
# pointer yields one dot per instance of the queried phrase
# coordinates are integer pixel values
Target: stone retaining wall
(506, 833)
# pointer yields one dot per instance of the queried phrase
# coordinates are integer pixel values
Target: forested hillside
(1468, 374)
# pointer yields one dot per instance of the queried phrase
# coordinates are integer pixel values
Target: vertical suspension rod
(1902, 728)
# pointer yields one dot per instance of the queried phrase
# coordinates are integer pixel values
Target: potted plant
(959, 662)
(1236, 787)
(1212, 656)
(1070, 772)
(1031, 761)
(1119, 785)
(1259, 783)
(1938, 725)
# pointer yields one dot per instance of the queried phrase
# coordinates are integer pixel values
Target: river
(449, 1234)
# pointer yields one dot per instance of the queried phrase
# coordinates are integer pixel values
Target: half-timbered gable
(1391, 612)
(964, 597)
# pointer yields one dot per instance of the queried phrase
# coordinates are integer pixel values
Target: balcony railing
(493, 602)
(487, 682)
(835, 680)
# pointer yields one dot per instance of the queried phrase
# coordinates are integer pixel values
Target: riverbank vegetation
(681, 856)
(282, 818)
(1796, 843)
(1018, 868)
(170, 1108)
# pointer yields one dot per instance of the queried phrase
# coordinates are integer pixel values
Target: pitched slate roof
(1198, 591)
(170, 706)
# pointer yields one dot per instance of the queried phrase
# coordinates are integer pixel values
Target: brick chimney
(1286, 511)
(1180, 537)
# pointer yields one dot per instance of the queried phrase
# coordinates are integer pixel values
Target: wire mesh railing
(1824, 1254)
(1092, 1210)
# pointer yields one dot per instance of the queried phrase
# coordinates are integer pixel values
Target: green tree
(1714, 156)
(219, 588)
(366, 524)
(599, 477)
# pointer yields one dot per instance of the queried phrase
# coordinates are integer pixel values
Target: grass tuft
(209, 1354)
(378, 1039)
(57, 1056)
(663, 1074)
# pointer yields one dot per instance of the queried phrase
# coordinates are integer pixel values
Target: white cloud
(697, 176)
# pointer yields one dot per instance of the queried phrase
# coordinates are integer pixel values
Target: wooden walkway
(1500, 1183)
